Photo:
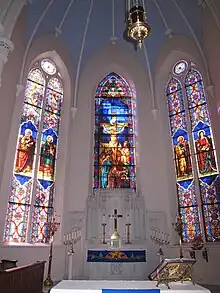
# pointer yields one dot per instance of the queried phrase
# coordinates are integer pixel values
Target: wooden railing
(23, 279)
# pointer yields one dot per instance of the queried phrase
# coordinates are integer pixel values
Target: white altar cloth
(88, 286)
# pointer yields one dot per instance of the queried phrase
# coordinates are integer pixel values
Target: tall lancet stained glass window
(30, 205)
(194, 154)
(114, 150)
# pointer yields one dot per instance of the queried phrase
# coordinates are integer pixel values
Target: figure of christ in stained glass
(114, 135)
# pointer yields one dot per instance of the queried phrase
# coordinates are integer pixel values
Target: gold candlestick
(53, 227)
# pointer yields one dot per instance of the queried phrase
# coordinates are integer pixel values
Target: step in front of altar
(92, 286)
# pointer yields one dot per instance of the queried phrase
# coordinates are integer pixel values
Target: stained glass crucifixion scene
(114, 150)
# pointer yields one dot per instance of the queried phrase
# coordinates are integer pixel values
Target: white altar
(79, 286)
(131, 208)
(99, 210)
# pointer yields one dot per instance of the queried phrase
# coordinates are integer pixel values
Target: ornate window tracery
(30, 204)
(197, 175)
(114, 150)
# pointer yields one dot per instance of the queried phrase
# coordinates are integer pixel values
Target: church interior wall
(211, 45)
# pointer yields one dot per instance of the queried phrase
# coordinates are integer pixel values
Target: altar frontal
(116, 256)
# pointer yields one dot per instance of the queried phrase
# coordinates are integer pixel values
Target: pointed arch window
(30, 204)
(197, 175)
(114, 150)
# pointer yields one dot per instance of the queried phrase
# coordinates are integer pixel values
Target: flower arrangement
(197, 243)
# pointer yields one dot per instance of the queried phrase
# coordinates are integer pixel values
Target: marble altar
(87, 286)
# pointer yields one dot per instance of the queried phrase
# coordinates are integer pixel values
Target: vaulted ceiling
(87, 25)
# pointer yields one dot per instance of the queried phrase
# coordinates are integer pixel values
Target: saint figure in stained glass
(25, 152)
(182, 158)
(205, 153)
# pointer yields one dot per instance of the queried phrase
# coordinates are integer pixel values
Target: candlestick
(103, 233)
(128, 233)
(160, 238)
(53, 227)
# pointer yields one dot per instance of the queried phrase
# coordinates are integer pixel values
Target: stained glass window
(30, 205)
(194, 155)
(114, 149)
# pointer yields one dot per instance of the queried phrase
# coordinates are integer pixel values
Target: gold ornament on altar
(138, 29)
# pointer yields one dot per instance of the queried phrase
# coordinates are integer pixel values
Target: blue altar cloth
(130, 290)
(116, 256)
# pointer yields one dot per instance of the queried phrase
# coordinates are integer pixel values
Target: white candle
(72, 234)
(64, 238)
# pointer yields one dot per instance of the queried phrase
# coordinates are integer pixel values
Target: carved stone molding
(73, 111)
(6, 47)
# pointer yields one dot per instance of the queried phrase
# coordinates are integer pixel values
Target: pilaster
(6, 47)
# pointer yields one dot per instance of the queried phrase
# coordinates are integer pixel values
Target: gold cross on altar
(115, 216)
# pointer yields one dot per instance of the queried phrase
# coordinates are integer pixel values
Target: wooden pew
(23, 279)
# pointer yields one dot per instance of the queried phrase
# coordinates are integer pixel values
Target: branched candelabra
(52, 229)
(71, 238)
(160, 238)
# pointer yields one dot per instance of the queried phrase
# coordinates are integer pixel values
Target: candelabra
(160, 238)
(52, 228)
(178, 227)
(70, 239)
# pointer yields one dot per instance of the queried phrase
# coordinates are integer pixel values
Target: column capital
(6, 47)
(73, 111)
(20, 88)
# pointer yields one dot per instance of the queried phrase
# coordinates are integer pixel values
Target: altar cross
(115, 216)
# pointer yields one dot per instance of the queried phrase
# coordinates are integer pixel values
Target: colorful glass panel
(188, 206)
(42, 217)
(205, 154)
(113, 86)
(180, 67)
(114, 149)
(48, 66)
(47, 162)
(40, 114)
